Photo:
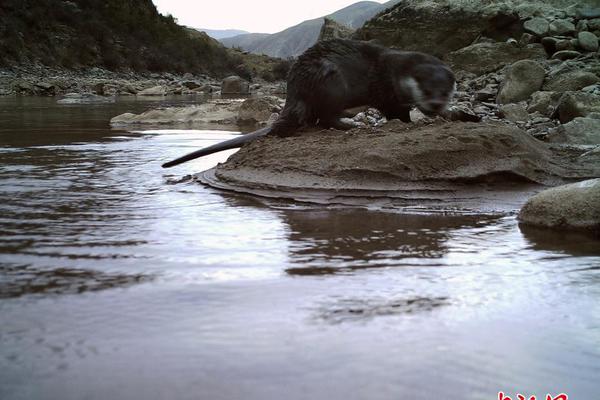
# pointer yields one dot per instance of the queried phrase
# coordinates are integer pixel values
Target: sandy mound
(400, 156)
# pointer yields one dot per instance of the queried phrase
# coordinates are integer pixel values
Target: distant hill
(222, 33)
(114, 34)
(294, 40)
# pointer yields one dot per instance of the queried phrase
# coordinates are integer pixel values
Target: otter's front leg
(342, 124)
(401, 113)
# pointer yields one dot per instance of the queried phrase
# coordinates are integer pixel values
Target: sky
(257, 16)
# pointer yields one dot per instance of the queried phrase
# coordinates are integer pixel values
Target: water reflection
(285, 300)
(17, 281)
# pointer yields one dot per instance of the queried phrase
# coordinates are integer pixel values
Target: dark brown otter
(338, 74)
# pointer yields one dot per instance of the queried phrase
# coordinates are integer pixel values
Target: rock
(587, 41)
(334, 30)
(577, 104)
(581, 25)
(522, 79)
(570, 81)
(565, 55)
(549, 44)
(514, 112)
(84, 98)
(259, 109)
(538, 26)
(528, 38)
(593, 24)
(191, 84)
(397, 157)
(234, 85)
(154, 91)
(583, 131)
(482, 58)
(575, 206)
(561, 27)
(214, 111)
(565, 44)
(486, 94)
(544, 102)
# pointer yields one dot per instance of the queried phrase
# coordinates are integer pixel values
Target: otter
(338, 74)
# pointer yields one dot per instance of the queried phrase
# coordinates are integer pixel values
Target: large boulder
(522, 79)
(538, 26)
(577, 104)
(585, 131)
(575, 206)
(587, 41)
(442, 26)
(481, 58)
(259, 109)
(570, 81)
(234, 85)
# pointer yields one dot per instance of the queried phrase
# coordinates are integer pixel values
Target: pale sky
(260, 16)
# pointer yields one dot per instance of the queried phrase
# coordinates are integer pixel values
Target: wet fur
(338, 74)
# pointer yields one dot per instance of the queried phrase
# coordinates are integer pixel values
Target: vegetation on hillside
(114, 34)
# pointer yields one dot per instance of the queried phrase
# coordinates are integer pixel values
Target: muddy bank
(441, 160)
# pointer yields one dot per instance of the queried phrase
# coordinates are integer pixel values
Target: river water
(121, 280)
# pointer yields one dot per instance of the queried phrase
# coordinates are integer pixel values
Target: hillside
(294, 40)
(222, 33)
(114, 34)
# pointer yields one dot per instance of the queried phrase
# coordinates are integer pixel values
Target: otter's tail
(215, 148)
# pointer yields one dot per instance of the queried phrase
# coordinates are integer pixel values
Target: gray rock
(486, 94)
(482, 58)
(528, 38)
(522, 79)
(84, 98)
(191, 84)
(593, 24)
(575, 206)
(566, 55)
(582, 25)
(580, 131)
(514, 112)
(544, 102)
(583, 131)
(561, 27)
(570, 81)
(538, 26)
(565, 44)
(588, 41)
(259, 109)
(154, 91)
(234, 85)
(577, 104)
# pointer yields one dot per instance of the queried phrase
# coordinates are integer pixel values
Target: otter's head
(430, 88)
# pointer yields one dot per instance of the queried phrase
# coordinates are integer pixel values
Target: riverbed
(119, 279)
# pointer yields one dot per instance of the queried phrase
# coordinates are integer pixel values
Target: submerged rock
(215, 111)
(84, 98)
(154, 91)
(574, 206)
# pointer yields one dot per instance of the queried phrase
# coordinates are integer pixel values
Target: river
(121, 280)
